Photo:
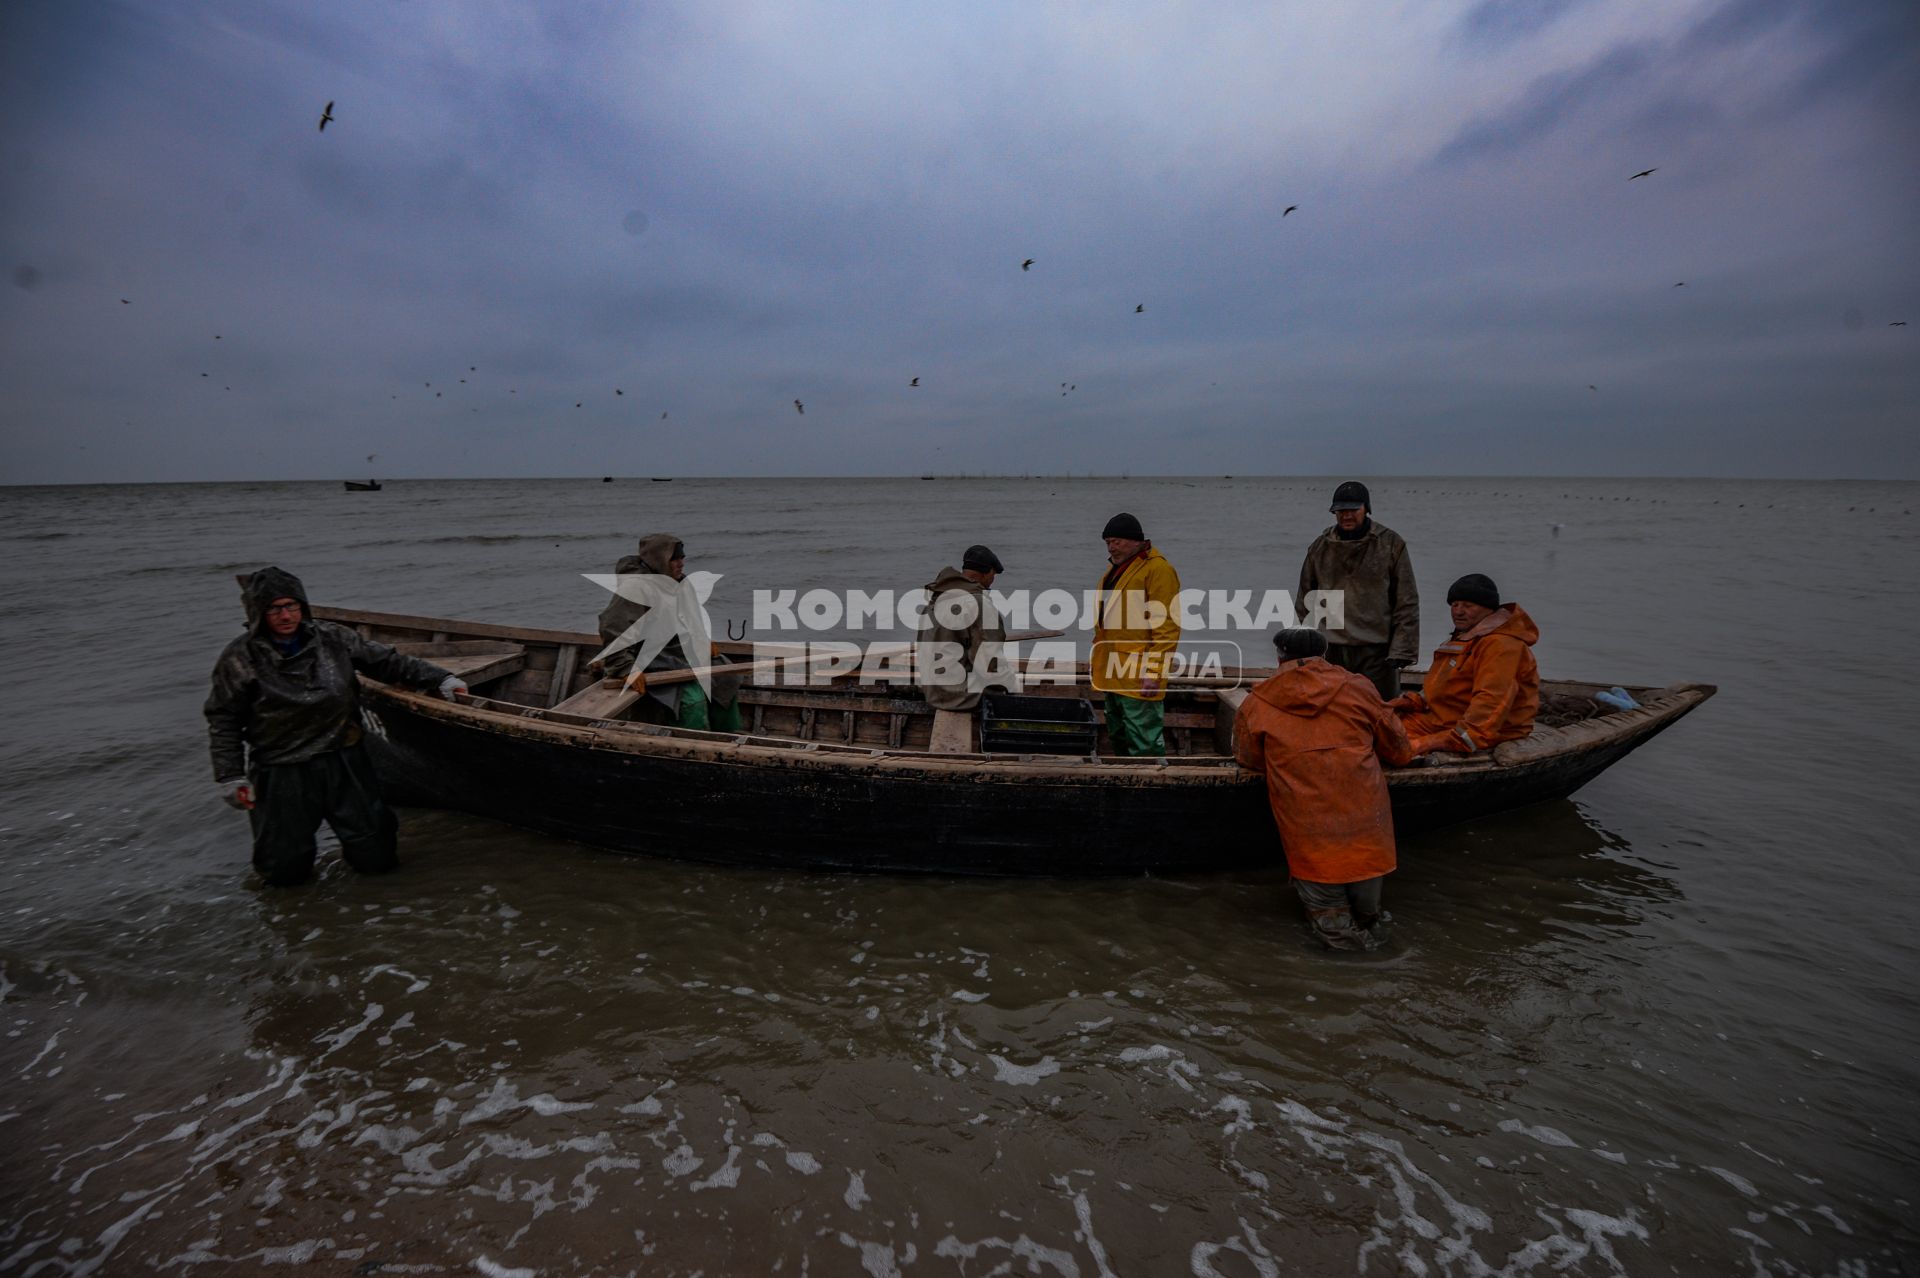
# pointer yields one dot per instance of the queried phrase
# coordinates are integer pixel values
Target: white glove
(452, 686)
(237, 793)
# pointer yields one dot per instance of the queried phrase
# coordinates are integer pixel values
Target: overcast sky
(719, 208)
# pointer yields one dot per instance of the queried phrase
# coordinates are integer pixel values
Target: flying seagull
(126, 302)
(1026, 264)
(618, 391)
(1643, 173)
(325, 116)
(914, 382)
(1681, 284)
(1290, 208)
(1140, 309)
(1896, 323)
(799, 408)
(1593, 388)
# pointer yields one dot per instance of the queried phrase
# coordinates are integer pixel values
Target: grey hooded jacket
(1376, 572)
(288, 708)
(979, 643)
(653, 555)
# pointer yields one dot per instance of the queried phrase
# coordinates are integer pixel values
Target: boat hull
(723, 801)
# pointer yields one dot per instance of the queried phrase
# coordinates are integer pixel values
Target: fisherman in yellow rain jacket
(1134, 632)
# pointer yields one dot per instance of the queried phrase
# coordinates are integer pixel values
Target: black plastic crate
(1013, 724)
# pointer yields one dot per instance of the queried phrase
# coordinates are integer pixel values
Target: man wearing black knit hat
(1379, 634)
(1135, 630)
(1483, 686)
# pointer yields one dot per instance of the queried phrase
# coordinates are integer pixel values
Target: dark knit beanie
(1299, 641)
(1475, 587)
(1124, 525)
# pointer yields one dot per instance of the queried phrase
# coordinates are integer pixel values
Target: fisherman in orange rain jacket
(1484, 685)
(1318, 734)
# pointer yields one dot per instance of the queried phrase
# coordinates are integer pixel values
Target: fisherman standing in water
(1318, 734)
(284, 723)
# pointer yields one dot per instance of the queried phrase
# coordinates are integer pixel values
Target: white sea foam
(494, 1269)
(726, 1176)
(1249, 1247)
(878, 1258)
(856, 1195)
(391, 1139)
(1030, 1255)
(419, 983)
(801, 1161)
(299, 1253)
(1545, 1135)
(335, 1042)
(1738, 1181)
(505, 1097)
(1005, 1071)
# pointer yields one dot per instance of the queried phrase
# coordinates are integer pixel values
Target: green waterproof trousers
(1136, 727)
(697, 710)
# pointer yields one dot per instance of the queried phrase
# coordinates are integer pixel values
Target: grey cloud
(1551, 102)
(1501, 22)
(831, 213)
(445, 190)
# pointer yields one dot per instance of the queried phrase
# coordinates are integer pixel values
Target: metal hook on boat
(739, 637)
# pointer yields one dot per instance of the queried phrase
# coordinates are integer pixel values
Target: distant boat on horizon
(355, 486)
(663, 479)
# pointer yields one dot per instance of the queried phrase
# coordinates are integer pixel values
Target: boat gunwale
(1659, 707)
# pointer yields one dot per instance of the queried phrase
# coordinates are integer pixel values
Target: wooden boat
(355, 486)
(869, 777)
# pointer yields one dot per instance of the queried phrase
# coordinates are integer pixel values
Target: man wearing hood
(959, 652)
(1484, 685)
(284, 722)
(1318, 733)
(1379, 635)
(664, 554)
(1135, 630)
